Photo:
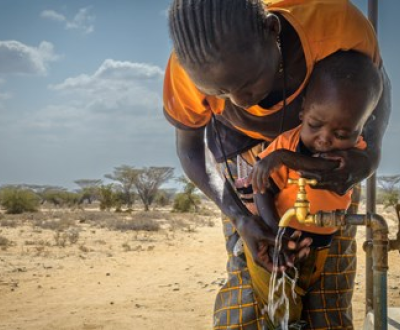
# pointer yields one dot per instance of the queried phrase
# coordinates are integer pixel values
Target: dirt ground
(122, 280)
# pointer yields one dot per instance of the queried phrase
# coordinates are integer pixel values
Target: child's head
(228, 48)
(343, 90)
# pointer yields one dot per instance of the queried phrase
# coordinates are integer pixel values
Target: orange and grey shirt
(323, 28)
(285, 196)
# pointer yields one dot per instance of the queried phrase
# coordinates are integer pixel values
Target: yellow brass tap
(301, 209)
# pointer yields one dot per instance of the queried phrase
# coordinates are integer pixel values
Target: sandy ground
(126, 280)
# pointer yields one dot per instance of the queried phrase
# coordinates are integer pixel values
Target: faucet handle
(302, 182)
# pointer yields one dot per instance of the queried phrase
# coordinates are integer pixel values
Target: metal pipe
(371, 194)
(373, 13)
(380, 249)
(380, 256)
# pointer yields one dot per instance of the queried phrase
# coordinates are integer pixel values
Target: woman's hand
(355, 165)
(260, 241)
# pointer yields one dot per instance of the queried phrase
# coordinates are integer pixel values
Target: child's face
(332, 121)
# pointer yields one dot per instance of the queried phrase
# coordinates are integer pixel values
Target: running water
(277, 285)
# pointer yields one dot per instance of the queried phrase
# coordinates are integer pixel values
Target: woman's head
(228, 48)
(342, 93)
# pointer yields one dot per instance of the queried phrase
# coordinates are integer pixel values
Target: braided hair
(202, 30)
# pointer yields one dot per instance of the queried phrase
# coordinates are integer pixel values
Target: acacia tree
(89, 189)
(126, 176)
(149, 180)
(391, 192)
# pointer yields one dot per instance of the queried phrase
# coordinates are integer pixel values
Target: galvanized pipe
(380, 249)
(371, 195)
(380, 256)
(369, 281)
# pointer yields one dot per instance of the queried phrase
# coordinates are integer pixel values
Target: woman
(237, 76)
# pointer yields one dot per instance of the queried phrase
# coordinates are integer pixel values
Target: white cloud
(117, 71)
(17, 57)
(83, 21)
(116, 86)
(53, 15)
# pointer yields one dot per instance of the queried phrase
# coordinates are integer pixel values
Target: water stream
(277, 297)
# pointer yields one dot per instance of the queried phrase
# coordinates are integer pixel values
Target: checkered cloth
(327, 304)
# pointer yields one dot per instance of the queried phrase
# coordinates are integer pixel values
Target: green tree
(149, 180)
(108, 198)
(188, 199)
(164, 197)
(17, 200)
(89, 189)
(391, 192)
(125, 176)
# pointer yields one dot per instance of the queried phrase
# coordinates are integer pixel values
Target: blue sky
(81, 88)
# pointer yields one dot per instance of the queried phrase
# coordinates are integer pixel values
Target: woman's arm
(191, 152)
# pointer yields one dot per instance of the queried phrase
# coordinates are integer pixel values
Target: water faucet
(301, 209)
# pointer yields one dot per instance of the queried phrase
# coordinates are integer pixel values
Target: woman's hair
(202, 29)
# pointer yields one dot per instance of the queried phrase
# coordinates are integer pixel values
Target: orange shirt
(320, 199)
(323, 26)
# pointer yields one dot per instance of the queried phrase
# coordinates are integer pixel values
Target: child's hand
(259, 176)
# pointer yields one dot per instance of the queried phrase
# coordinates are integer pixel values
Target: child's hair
(347, 70)
(200, 29)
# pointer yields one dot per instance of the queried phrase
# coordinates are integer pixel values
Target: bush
(185, 203)
(107, 197)
(135, 225)
(17, 201)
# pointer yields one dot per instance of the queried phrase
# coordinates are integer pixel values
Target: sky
(81, 88)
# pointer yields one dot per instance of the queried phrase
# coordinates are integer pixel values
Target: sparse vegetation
(134, 225)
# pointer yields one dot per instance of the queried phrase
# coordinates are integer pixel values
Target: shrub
(17, 201)
(183, 203)
(135, 225)
(107, 197)
(5, 243)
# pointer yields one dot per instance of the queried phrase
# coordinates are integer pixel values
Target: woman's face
(245, 78)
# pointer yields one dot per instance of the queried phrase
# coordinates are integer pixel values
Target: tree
(188, 199)
(107, 197)
(164, 196)
(149, 180)
(391, 193)
(125, 175)
(56, 196)
(89, 189)
(17, 201)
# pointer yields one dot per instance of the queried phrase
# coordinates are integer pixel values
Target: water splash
(277, 284)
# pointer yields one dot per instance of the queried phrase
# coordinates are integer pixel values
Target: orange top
(320, 199)
(323, 26)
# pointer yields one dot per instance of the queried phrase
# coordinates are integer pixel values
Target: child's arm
(266, 209)
(259, 176)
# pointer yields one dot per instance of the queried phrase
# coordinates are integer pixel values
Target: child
(341, 95)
